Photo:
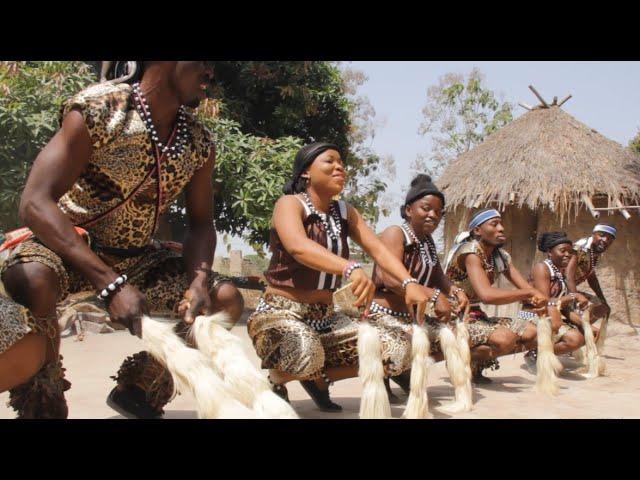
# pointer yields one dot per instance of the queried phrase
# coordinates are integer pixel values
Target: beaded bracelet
(109, 289)
(409, 280)
(348, 270)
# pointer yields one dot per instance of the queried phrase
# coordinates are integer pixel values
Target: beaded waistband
(377, 308)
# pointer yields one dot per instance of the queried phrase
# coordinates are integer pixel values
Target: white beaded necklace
(177, 147)
(427, 259)
(323, 218)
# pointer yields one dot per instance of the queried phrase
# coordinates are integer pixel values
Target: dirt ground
(90, 362)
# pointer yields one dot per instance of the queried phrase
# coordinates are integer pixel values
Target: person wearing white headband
(475, 263)
(582, 266)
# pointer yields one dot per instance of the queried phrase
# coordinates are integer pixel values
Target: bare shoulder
(393, 234)
(289, 204)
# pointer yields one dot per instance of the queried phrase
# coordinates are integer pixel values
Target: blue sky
(606, 96)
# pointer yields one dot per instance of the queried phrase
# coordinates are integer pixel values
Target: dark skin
(326, 179)
(502, 341)
(424, 216)
(600, 243)
(560, 256)
(166, 85)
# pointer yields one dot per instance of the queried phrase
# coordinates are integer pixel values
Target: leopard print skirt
(481, 326)
(159, 273)
(304, 339)
(16, 321)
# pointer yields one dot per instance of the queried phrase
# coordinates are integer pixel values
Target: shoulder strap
(307, 211)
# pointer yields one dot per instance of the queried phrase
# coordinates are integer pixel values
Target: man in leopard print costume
(122, 155)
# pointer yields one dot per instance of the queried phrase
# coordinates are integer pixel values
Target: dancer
(412, 244)
(295, 330)
(122, 155)
(475, 263)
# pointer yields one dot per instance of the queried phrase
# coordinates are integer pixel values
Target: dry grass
(547, 158)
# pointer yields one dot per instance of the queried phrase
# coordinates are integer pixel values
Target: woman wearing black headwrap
(294, 329)
(412, 244)
(549, 278)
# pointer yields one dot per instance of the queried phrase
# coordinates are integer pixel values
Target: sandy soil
(90, 362)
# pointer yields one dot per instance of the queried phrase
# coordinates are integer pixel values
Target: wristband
(408, 281)
(112, 287)
(348, 270)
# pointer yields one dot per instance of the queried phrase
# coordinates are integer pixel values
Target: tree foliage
(262, 114)
(460, 112)
(31, 94)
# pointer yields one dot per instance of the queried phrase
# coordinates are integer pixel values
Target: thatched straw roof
(546, 158)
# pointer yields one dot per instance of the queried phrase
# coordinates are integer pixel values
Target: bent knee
(226, 297)
(503, 341)
(31, 284)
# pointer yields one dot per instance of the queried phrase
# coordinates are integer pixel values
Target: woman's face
(560, 254)
(326, 174)
(424, 214)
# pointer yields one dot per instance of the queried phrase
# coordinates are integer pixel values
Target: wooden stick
(564, 100)
(589, 204)
(535, 92)
(476, 204)
(555, 101)
(525, 106)
(623, 210)
(622, 207)
(512, 198)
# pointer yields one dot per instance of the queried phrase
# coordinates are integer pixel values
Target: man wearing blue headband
(582, 266)
(475, 263)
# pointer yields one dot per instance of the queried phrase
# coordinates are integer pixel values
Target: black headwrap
(548, 240)
(420, 187)
(305, 157)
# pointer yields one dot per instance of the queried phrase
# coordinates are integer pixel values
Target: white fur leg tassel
(418, 403)
(462, 340)
(457, 373)
(592, 357)
(547, 365)
(226, 355)
(191, 371)
(374, 402)
(602, 336)
(579, 355)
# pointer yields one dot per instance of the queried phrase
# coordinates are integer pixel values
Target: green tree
(460, 112)
(634, 143)
(262, 113)
(31, 94)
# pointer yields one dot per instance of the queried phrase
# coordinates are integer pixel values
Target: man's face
(601, 241)
(191, 80)
(492, 232)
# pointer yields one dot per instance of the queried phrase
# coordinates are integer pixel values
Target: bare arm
(570, 273)
(516, 278)
(486, 292)
(595, 286)
(54, 171)
(200, 239)
(542, 279)
(367, 239)
(392, 238)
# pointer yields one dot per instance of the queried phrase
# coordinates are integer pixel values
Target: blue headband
(606, 229)
(481, 217)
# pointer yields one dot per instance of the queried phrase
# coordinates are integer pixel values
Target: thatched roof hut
(548, 171)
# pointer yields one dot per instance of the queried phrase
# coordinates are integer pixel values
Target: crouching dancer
(122, 155)
(412, 244)
(295, 329)
(475, 263)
